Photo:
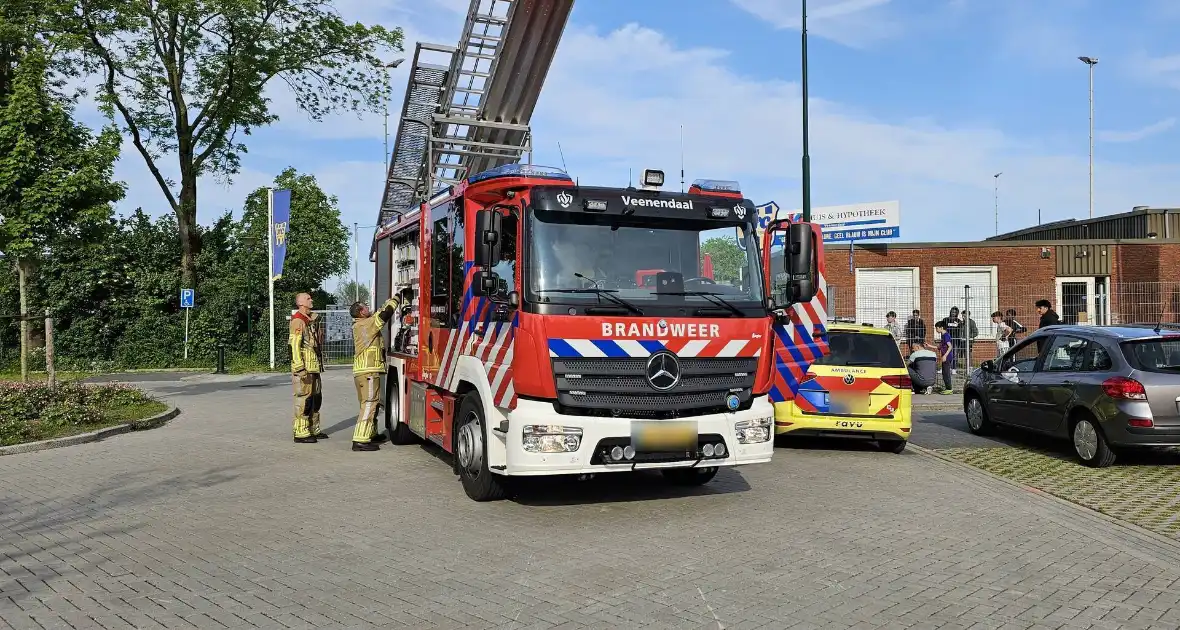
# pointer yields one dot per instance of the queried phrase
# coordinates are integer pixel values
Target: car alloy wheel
(1085, 440)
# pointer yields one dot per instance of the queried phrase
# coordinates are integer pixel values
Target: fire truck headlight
(753, 431)
(551, 438)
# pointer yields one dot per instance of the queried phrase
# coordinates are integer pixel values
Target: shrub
(36, 411)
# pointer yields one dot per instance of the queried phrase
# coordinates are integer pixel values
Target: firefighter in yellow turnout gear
(368, 365)
(306, 365)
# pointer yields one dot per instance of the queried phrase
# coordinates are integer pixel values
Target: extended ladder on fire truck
(467, 107)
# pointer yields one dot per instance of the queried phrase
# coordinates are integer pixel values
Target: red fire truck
(563, 329)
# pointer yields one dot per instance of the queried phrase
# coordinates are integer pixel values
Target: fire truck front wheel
(399, 432)
(471, 452)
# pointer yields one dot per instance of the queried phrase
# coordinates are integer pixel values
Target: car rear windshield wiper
(864, 363)
(712, 297)
(606, 293)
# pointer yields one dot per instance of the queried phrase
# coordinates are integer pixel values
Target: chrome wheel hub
(1085, 440)
(470, 446)
(975, 413)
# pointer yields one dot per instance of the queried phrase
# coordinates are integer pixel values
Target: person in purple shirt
(946, 354)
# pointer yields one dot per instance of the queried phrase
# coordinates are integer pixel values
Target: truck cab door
(792, 259)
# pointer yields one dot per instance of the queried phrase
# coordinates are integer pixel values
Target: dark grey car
(1104, 388)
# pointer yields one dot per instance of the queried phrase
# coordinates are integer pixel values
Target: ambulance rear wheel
(471, 440)
(689, 476)
(399, 432)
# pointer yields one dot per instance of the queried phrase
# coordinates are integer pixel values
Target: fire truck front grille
(619, 386)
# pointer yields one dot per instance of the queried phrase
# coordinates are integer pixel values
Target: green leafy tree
(317, 245)
(187, 79)
(727, 257)
(55, 176)
(351, 291)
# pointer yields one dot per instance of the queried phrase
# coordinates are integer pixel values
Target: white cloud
(616, 101)
(1137, 134)
(854, 23)
(1163, 70)
(611, 114)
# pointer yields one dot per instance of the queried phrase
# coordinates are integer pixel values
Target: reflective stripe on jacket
(304, 342)
(368, 349)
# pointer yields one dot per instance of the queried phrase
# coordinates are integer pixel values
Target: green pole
(806, 156)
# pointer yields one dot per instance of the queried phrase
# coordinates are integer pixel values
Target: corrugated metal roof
(1138, 223)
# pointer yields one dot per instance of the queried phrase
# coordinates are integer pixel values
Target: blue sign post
(188, 297)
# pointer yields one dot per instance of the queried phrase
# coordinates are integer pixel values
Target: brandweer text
(651, 330)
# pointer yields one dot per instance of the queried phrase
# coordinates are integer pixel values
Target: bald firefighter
(368, 365)
(305, 371)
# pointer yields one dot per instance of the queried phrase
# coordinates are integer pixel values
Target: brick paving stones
(218, 520)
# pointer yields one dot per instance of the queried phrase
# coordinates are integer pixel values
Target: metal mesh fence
(335, 328)
(976, 338)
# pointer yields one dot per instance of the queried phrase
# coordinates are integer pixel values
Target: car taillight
(1123, 388)
(1143, 423)
(899, 381)
(806, 377)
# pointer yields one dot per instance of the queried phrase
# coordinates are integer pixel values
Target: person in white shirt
(1003, 333)
(893, 327)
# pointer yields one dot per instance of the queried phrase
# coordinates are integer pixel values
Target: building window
(981, 299)
(880, 290)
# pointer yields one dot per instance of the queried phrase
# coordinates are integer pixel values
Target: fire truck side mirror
(487, 238)
(799, 258)
(483, 283)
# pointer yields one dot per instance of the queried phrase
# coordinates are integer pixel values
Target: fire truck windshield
(569, 252)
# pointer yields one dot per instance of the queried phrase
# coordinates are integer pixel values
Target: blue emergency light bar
(717, 185)
(520, 170)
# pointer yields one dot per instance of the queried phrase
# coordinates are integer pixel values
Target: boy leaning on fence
(893, 326)
(1003, 333)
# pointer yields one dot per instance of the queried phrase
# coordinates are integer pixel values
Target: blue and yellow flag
(280, 230)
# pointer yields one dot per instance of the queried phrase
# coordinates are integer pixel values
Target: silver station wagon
(1104, 388)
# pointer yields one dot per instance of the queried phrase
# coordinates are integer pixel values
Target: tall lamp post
(1091, 61)
(996, 199)
(806, 157)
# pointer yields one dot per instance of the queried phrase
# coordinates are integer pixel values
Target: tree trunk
(186, 220)
(49, 368)
(22, 270)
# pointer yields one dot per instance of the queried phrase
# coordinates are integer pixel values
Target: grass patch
(132, 412)
(42, 377)
(31, 412)
(1142, 488)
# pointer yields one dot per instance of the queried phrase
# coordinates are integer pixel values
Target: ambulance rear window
(862, 350)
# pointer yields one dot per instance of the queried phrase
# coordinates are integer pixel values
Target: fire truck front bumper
(540, 441)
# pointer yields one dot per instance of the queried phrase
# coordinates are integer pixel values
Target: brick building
(1116, 269)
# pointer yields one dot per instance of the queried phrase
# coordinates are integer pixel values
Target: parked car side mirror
(988, 366)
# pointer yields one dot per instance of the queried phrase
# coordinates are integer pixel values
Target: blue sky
(919, 101)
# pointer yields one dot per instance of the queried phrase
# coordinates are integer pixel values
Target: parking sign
(187, 297)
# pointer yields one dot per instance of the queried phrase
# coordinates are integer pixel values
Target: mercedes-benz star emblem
(849, 379)
(663, 371)
(565, 199)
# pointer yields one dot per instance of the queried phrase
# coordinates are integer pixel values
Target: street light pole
(806, 156)
(996, 200)
(1091, 61)
(356, 263)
